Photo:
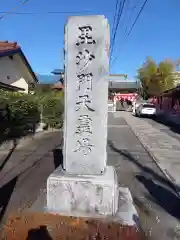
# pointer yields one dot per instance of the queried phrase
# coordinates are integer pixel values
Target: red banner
(125, 96)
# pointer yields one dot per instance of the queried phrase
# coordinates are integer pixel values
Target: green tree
(43, 88)
(155, 78)
(165, 72)
(53, 108)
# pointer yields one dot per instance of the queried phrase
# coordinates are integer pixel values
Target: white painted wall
(21, 83)
(13, 72)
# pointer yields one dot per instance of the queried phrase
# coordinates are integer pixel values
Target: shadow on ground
(7, 157)
(145, 169)
(5, 195)
(172, 126)
(161, 196)
(14, 135)
(16, 132)
(6, 191)
(58, 157)
(39, 233)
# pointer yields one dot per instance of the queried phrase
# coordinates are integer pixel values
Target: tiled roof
(123, 85)
(6, 46)
(58, 71)
(57, 86)
(10, 48)
(117, 77)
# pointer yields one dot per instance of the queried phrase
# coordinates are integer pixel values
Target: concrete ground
(23, 178)
(156, 202)
(23, 172)
(173, 131)
(162, 146)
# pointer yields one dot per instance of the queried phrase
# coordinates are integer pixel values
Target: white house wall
(13, 72)
(22, 84)
(26, 74)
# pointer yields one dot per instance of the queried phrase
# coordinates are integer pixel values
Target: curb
(167, 175)
(22, 142)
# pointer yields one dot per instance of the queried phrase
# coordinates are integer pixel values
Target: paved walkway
(24, 171)
(135, 169)
(156, 202)
(9, 144)
(164, 149)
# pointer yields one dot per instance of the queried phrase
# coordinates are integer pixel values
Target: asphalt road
(24, 171)
(24, 175)
(156, 202)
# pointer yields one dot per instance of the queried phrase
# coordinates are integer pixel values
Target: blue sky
(156, 33)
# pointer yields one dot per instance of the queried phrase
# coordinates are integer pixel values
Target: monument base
(94, 194)
(126, 214)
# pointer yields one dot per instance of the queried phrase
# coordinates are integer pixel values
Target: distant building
(59, 73)
(168, 105)
(55, 79)
(16, 73)
(59, 84)
(121, 88)
(118, 83)
(47, 78)
(117, 77)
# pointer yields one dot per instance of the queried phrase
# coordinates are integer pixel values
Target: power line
(133, 25)
(129, 19)
(142, 8)
(121, 8)
(55, 12)
(14, 9)
(116, 27)
(114, 19)
(126, 6)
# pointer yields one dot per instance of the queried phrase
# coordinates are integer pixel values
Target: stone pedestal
(83, 194)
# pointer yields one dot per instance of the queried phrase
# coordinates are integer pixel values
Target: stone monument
(86, 185)
(86, 95)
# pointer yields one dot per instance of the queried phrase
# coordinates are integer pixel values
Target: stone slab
(126, 214)
(83, 193)
(165, 152)
(86, 94)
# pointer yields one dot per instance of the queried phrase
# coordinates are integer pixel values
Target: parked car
(146, 109)
(136, 104)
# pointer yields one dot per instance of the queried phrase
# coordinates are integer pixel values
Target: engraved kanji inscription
(85, 79)
(83, 59)
(84, 124)
(84, 101)
(85, 36)
(84, 146)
